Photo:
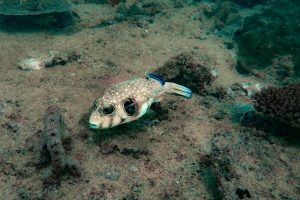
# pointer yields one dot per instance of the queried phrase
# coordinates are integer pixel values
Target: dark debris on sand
(235, 158)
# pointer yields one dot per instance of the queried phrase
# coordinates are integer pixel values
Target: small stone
(173, 105)
(31, 64)
(113, 175)
(133, 168)
(241, 193)
(259, 176)
(236, 87)
(110, 149)
(220, 115)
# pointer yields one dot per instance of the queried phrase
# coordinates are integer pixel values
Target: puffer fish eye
(108, 110)
(129, 106)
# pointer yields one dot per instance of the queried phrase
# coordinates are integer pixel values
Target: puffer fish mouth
(94, 126)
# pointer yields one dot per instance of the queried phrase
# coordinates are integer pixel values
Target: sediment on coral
(182, 69)
(56, 143)
(33, 7)
(270, 36)
(243, 155)
(280, 103)
(138, 10)
(16, 15)
(249, 3)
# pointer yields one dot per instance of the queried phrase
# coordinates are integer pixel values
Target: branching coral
(282, 104)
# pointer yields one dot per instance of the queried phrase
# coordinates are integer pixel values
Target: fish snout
(94, 126)
(94, 121)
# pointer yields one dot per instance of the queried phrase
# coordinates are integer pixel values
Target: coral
(111, 2)
(33, 7)
(247, 154)
(136, 11)
(227, 12)
(248, 3)
(269, 36)
(282, 104)
(56, 142)
(182, 69)
(50, 21)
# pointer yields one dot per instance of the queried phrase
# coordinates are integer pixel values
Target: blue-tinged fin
(156, 77)
(177, 89)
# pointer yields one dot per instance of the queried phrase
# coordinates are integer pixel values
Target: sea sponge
(182, 69)
(282, 104)
(56, 142)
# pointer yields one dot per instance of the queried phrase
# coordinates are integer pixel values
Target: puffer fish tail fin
(173, 88)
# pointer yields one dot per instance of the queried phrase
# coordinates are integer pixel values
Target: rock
(237, 110)
(133, 168)
(220, 115)
(51, 59)
(280, 103)
(136, 152)
(249, 3)
(173, 105)
(241, 193)
(33, 7)
(183, 70)
(113, 175)
(110, 149)
(270, 35)
(251, 88)
(30, 64)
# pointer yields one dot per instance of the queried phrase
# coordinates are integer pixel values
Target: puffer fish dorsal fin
(156, 77)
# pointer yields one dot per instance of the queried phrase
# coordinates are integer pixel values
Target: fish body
(129, 100)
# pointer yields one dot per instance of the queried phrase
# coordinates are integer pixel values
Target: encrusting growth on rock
(56, 142)
(282, 104)
(182, 69)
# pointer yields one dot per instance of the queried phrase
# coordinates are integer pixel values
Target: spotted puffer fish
(129, 100)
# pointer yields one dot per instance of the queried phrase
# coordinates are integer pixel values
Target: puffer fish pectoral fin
(173, 88)
(144, 109)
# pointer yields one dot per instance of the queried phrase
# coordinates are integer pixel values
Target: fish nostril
(94, 126)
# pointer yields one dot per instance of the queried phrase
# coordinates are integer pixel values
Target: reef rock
(182, 69)
(282, 104)
(249, 3)
(269, 35)
(33, 7)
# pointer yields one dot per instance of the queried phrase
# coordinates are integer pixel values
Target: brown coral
(282, 104)
(182, 69)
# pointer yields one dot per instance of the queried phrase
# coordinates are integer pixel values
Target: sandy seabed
(171, 168)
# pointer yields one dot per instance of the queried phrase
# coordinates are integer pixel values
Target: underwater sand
(110, 54)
